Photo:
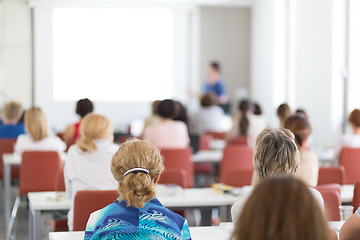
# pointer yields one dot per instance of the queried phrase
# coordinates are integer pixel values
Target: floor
(22, 224)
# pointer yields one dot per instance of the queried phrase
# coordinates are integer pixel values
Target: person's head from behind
(94, 126)
(167, 109)
(208, 100)
(36, 124)
(303, 112)
(137, 166)
(275, 153)
(300, 127)
(154, 106)
(354, 119)
(281, 208)
(283, 112)
(84, 106)
(12, 112)
(214, 72)
(245, 107)
(257, 109)
(180, 113)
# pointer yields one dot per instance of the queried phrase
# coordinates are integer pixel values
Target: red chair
(356, 198)
(173, 176)
(238, 178)
(7, 146)
(236, 157)
(238, 141)
(69, 143)
(327, 187)
(331, 175)
(217, 135)
(350, 159)
(86, 202)
(180, 158)
(332, 202)
(38, 171)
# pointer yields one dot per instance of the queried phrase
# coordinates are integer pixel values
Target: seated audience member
(351, 228)
(209, 117)
(167, 133)
(180, 113)
(303, 112)
(246, 124)
(349, 140)
(275, 153)
(283, 112)
(281, 208)
(72, 131)
(37, 137)
(308, 170)
(137, 214)
(257, 109)
(154, 118)
(11, 128)
(88, 162)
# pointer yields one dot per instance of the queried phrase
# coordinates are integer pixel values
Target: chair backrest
(236, 157)
(6, 146)
(86, 202)
(356, 198)
(174, 176)
(60, 181)
(331, 175)
(180, 158)
(350, 159)
(204, 142)
(238, 141)
(217, 135)
(38, 171)
(238, 178)
(332, 202)
(329, 187)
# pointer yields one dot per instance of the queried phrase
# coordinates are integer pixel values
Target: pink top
(167, 134)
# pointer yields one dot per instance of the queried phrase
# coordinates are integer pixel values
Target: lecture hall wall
(262, 54)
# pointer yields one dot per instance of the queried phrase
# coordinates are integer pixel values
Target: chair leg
(10, 235)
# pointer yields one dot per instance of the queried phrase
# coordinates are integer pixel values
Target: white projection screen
(112, 54)
(122, 58)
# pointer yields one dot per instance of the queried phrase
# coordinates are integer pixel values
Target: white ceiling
(235, 3)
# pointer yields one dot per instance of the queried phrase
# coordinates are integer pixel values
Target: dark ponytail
(244, 107)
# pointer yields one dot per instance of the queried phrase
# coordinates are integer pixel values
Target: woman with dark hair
(209, 118)
(308, 170)
(246, 124)
(167, 133)
(72, 131)
(283, 112)
(349, 140)
(281, 208)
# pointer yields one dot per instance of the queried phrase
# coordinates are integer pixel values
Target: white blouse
(24, 142)
(89, 171)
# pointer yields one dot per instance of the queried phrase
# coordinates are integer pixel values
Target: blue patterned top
(153, 221)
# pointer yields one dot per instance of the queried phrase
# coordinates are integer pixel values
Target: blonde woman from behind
(281, 208)
(37, 137)
(137, 214)
(88, 162)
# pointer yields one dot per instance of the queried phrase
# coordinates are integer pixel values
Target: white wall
(225, 37)
(312, 49)
(268, 54)
(15, 52)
